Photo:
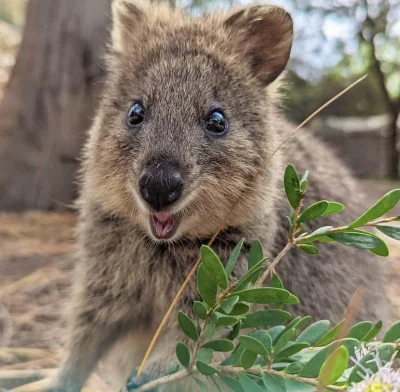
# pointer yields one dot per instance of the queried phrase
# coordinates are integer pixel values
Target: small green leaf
(234, 257)
(250, 276)
(303, 322)
(311, 249)
(200, 383)
(359, 330)
(173, 368)
(265, 318)
(292, 300)
(381, 207)
(263, 295)
(205, 355)
(294, 368)
(334, 366)
(205, 368)
(187, 326)
(277, 332)
(314, 332)
(222, 345)
(239, 309)
(247, 359)
(276, 281)
(313, 211)
(393, 333)
(248, 384)
(234, 358)
(228, 304)
(209, 330)
(333, 208)
(256, 254)
(289, 349)
(321, 231)
(183, 354)
(313, 366)
(375, 329)
(235, 331)
(281, 341)
(207, 288)
(263, 336)
(200, 310)
(222, 319)
(292, 186)
(356, 239)
(213, 267)
(254, 345)
(273, 383)
(329, 336)
(391, 231)
(381, 249)
(231, 383)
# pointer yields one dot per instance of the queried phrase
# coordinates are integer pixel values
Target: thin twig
(230, 370)
(194, 268)
(271, 268)
(347, 227)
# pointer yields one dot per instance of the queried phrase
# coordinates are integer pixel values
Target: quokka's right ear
(128, 17)
(264, 34)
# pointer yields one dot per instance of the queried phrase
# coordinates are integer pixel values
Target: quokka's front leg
(88, 342)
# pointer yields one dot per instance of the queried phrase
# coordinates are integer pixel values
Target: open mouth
(163, 225)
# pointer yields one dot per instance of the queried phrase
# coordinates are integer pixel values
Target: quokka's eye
(216, 123)
(135, 115)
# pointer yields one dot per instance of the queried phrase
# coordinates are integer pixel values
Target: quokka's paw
(153, 371)
(134, 381)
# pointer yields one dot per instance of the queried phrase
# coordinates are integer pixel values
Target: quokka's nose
(160, 185)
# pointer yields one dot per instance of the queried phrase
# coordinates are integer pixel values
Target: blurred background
(51, 75)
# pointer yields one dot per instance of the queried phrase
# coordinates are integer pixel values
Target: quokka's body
(187, 120)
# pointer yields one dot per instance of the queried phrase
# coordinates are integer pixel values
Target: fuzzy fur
(180, 67)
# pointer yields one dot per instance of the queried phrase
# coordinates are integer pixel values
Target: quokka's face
(184, 129)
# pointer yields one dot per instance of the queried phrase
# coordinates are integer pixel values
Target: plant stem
(291, 241)
(203, 326)
(342, 228)
(232, 370)
(269, 271)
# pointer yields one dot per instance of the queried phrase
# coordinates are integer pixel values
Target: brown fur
(179, 67)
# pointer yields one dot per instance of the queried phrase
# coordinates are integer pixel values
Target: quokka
(188, 117)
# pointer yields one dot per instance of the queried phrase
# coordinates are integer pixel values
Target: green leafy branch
(264, 349)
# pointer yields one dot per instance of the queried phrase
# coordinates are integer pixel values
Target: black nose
(160, 184)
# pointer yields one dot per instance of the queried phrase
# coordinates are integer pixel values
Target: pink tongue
(163, 216)
(163, 222)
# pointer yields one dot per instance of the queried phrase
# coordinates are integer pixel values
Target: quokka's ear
(128, 17)
(265, 33)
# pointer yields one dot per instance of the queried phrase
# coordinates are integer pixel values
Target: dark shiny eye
(135, 115)
(216, 123)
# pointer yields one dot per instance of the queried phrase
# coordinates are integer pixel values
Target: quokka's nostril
(160, 185)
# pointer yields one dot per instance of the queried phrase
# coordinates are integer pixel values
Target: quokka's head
(186, 121)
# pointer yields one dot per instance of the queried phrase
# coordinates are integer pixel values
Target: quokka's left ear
(128, 16)
(265, 34)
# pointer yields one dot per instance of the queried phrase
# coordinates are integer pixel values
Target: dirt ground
(35, 276)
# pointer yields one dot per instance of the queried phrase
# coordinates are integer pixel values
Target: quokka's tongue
(163, 216)
(163, 222)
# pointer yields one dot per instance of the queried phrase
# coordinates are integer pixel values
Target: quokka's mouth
(163, 225)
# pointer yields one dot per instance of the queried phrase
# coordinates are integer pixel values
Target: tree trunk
(393, 153)
(50, 100)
